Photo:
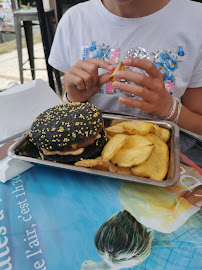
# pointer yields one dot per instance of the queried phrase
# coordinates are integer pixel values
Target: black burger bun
(69, 132)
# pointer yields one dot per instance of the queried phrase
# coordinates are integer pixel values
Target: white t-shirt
(170, 37)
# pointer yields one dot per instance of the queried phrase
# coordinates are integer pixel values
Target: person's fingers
(138, 78)
(104, 78)
(155, 85)
(74, 80)
(100, 63)
(140, 104)
(90, 75)
(139, 91)
(144, 64)
(91, 67)
(85, 76)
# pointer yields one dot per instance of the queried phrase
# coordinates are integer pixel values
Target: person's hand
(82, 80)
(155, 99)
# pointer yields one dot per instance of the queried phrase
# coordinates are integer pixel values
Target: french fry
(138, 127)
(163, 133)
(96, 164)
(134, 148)
(135, 151)
(89, 163)
(117, 129)
(156, 167)
(116, 169)
(113, 146)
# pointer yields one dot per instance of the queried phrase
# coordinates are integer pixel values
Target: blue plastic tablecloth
(49, 216)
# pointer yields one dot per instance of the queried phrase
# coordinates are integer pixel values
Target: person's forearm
(190, 121)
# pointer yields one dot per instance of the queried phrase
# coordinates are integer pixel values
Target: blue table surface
(49, 216)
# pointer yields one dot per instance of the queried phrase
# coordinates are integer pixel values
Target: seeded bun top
(64, 125)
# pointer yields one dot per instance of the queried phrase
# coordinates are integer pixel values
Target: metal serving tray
(23, 150)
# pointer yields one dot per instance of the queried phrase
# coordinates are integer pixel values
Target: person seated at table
(159, 41)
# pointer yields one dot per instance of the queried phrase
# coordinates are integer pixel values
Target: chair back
(15, 5)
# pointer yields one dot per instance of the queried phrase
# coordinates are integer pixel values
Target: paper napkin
(19, 106)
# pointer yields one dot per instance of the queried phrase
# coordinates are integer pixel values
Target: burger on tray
(69, 132)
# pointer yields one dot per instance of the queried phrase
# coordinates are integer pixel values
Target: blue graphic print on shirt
(167, 62)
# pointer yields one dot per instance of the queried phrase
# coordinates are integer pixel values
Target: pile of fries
(134, 148)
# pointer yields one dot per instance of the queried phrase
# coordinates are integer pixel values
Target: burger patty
(91, 151)
(66, 126)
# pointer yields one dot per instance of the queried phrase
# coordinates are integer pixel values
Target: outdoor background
(9, 68)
